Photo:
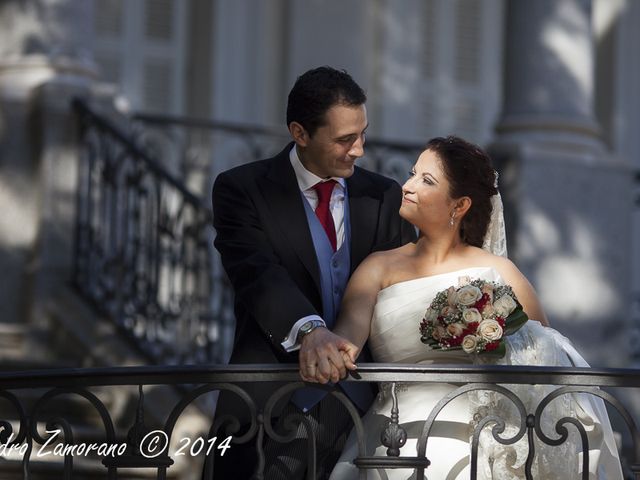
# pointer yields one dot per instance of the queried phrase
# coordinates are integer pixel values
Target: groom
(290, 231)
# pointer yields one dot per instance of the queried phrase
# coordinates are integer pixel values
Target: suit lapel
(364, 210)
(280, 189)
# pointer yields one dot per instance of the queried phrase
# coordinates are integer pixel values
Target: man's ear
(299, 134)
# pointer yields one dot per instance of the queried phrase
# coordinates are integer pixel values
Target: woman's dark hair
(316, 91)
(470, 174)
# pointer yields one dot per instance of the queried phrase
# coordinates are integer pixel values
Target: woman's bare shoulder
(523, 289)
(482, 258)
(382, 261)
(390, 256)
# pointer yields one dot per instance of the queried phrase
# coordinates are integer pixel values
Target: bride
(450, 197)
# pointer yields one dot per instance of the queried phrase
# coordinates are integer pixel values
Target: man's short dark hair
(316, 91)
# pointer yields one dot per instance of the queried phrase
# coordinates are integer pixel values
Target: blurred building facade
(550, 87)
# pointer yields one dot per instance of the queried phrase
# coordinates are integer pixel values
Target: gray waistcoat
(334, 266)
(334, 275)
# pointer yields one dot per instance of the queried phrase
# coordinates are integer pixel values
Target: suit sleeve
(261, 284)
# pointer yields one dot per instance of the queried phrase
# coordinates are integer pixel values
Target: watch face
(306, 327)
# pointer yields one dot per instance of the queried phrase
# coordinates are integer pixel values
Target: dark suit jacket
(267, 251)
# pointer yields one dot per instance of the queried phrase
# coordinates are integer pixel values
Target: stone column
(549, 74)
(44, 61)
(567, 198)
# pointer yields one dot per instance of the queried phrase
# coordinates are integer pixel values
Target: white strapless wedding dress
(395, 338)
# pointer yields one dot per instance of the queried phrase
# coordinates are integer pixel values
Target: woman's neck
(439, 249)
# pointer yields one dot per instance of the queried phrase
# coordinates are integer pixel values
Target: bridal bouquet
(474, 317)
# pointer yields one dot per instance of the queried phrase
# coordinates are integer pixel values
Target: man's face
(335, 146)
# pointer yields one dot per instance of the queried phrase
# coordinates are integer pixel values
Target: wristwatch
(307, 327)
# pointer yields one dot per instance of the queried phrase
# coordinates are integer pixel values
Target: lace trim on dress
(507, 462)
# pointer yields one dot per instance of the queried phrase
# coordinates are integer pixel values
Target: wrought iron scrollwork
(394, 436)
(525, 424)
(143, 248)
(227, 425)
(58, 428)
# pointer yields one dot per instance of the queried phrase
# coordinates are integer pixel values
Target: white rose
(468, 295)
(471, 315)
(487, 310)
(488, 289)
(431, 315)
(490, 330)
(504, 306)
(455, 329)
(451, 296)
(470, 343)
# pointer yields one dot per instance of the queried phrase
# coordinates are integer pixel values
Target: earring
(452, 219)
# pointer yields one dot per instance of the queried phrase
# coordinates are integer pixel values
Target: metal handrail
(248, 128)
(205, 146)
(201, 380)
(367, 372)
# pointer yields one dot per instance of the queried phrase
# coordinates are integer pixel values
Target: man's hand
(326, 356)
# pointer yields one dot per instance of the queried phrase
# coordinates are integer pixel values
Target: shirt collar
(305, 178)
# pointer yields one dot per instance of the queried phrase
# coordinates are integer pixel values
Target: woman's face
(425, 200)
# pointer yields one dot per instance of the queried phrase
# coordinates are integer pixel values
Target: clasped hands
(325, 356)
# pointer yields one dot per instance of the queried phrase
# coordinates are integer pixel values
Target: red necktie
(323, 212)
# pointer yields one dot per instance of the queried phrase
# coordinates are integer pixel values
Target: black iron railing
(143, 248)
(23, 422)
